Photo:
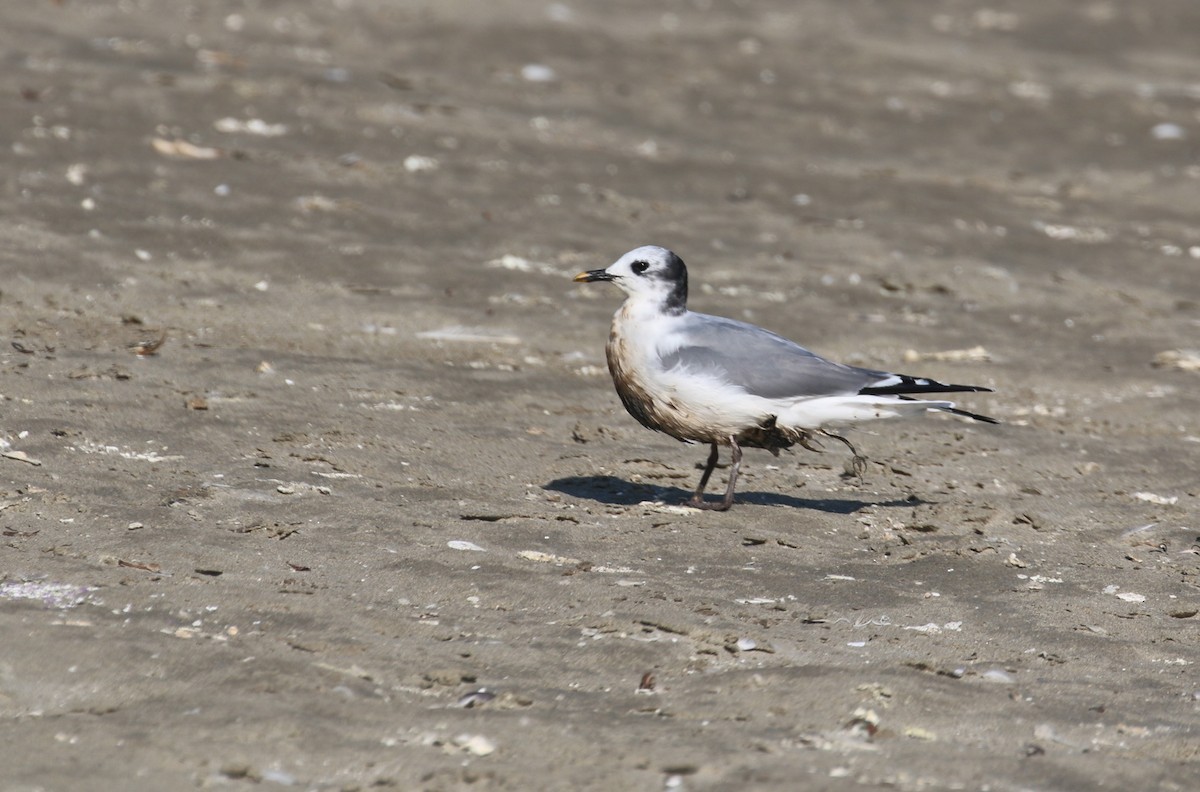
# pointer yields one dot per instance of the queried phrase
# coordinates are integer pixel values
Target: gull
(708, 379)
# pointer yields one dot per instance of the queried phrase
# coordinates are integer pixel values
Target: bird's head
(649, 273)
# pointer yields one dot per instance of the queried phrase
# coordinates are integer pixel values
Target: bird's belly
(684, 405)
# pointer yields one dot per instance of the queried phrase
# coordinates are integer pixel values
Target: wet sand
(307, 435)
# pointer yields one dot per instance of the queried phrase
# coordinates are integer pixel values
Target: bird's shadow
(618, 492)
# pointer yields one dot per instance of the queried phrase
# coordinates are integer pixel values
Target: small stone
(1168, 131)
(475, 744)
(537, 72)
(919, 733)
(415, 163)
(21, 456)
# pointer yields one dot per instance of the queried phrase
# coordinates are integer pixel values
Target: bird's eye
(639, 267)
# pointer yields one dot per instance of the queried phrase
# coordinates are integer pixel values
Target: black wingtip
(920, 385)
(975, 416)
(956, 411)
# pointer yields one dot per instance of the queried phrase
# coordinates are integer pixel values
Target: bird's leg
(734, 465)
(698, 496)
(859, 463)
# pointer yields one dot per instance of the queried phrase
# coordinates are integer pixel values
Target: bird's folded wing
(760, 362)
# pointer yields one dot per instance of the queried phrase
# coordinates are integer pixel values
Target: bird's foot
(857, 467)
(697, 502)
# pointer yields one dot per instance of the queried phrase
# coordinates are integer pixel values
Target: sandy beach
(312, 475)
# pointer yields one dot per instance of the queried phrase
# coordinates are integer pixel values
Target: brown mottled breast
(661, 413)
(634, 395)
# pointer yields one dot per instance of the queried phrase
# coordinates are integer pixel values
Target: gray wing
(763, 363)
